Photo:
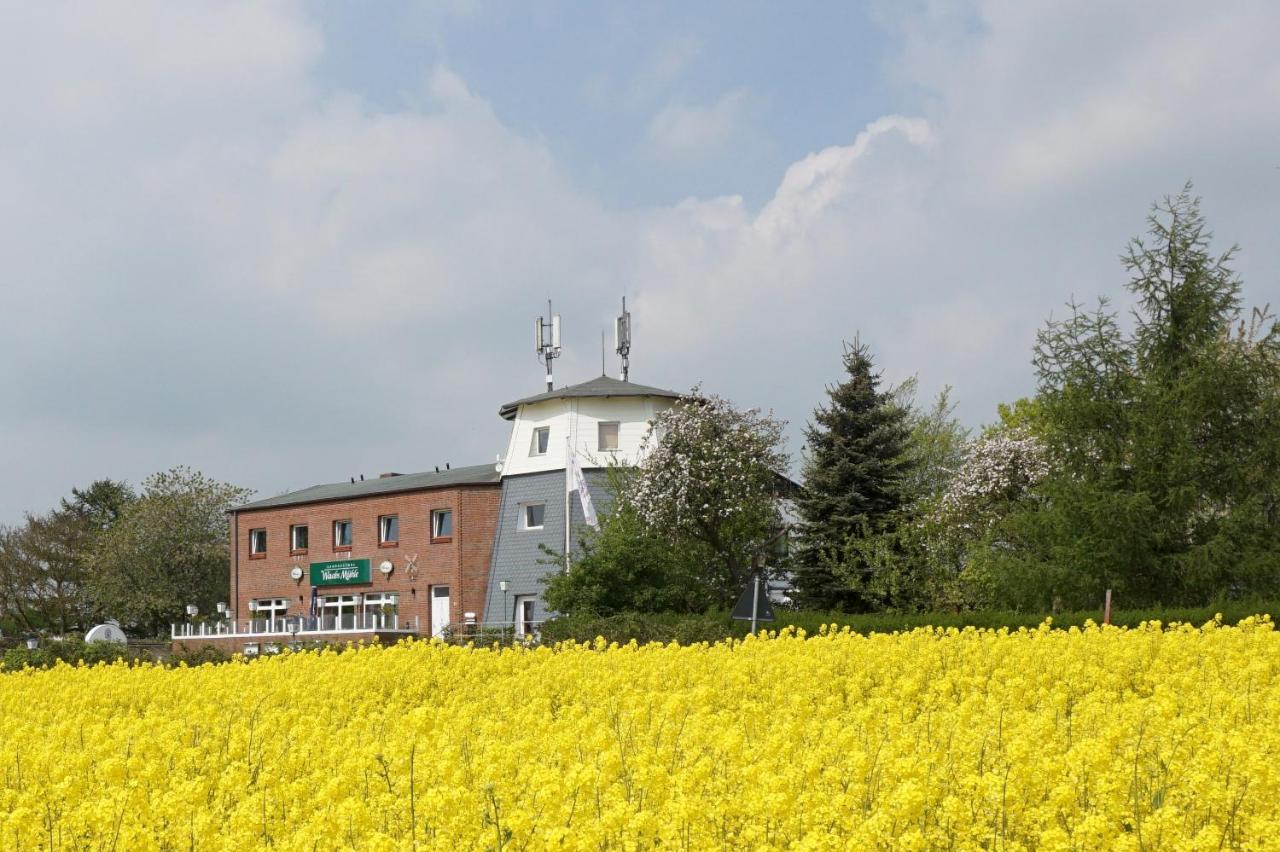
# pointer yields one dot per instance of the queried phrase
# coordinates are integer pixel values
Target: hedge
(712, 627)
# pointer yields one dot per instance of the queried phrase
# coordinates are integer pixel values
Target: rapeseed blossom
(1152, 738)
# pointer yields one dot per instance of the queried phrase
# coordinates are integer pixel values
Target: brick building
(398, 555)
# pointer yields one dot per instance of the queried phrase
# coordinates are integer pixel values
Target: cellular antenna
(622, 337)
(546, 340)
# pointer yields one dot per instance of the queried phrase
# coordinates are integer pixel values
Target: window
(257, 543)
(532, 516)
(268, 613)
(298, 538)
(608, 436)
(541, 440)
(380, 610)
(338, 612)
(342, 535)
(442, 525)
(389, 530)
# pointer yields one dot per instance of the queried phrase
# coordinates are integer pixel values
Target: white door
(439, 609)
(525, 625)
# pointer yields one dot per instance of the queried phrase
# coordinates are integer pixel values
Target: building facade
(398, 555)
(602, 422)
(413, 554)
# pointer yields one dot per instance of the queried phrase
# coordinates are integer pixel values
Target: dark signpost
(754, 605)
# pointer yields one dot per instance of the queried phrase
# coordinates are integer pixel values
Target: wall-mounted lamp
(502, 586)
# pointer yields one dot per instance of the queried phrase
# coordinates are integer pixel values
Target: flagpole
(568, 473)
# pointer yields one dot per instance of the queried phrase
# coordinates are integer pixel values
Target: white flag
(576, 480)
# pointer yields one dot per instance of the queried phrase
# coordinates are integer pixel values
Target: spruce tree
(853, 483)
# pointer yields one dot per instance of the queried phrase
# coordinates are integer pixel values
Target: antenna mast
(622, 337)
(546, 340)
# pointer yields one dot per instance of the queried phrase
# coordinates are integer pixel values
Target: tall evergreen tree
(854, 474)
(1164, 440)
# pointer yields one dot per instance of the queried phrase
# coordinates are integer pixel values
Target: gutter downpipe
(235, 559)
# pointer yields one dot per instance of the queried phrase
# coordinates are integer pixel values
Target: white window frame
(436, 514)
(533, 443)
(293, 536)
(271, 610)
(383, 525)
(524, 516)
(617, 436)
(253, 542)
(373, 604)
(340, 605)
(351, 533)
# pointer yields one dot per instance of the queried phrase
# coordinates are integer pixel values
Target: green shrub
(199, 656)
(642, 627)
(712, 627)
(70, 651)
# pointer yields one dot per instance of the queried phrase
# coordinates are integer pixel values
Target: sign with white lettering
(344, 572)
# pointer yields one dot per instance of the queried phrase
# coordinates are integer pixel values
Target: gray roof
(597, 387)
(481, 474)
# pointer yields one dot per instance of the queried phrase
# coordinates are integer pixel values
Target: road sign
(754, 605)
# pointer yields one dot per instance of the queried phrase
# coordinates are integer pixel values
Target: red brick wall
(476, 554)
(462, 564)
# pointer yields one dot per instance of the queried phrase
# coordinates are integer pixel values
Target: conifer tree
(1163, 438)
(853, 483)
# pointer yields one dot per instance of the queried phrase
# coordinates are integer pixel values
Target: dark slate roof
(481, 474)
(597, 387)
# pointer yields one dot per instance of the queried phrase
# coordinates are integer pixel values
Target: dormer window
(607, 434)
(541, 441)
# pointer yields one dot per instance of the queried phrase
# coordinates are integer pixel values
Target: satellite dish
(296, 572)
(105, 633)
(387, 566)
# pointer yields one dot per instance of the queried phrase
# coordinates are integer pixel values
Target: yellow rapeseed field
(1154, 738)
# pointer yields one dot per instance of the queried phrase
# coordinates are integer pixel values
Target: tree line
(110, 552)
(1146, 462)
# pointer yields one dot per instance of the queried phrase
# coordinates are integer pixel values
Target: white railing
(295, 626)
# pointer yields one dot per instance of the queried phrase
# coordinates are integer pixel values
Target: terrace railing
(302, 626)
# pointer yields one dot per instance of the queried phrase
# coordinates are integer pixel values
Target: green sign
(344, 572)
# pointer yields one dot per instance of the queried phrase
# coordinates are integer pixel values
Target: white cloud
(209, 262)
(693, 132)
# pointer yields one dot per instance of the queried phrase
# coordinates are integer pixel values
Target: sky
(288, 243)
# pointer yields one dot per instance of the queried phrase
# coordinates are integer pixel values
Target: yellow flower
(1093, 737)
